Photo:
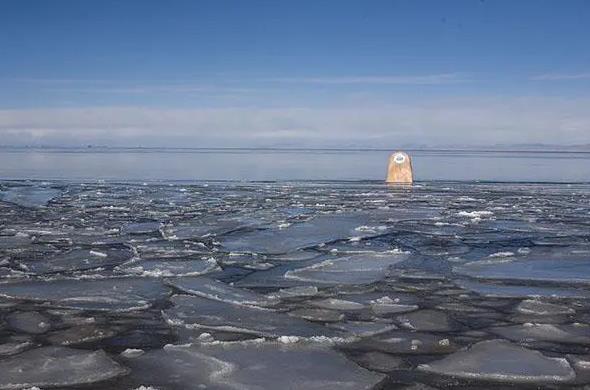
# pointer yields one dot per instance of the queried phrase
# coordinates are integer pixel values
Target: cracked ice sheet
(116, 294)
(251, 365)
(319, 230)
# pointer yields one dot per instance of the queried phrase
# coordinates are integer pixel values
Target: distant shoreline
(555, 149)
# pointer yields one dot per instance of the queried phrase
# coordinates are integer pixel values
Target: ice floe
(544, 270)
(77, 260)
(522, 291)
(251, 365)
(168, 268)
(193, 311)
(29, 196)
(215, 290)
(28, 322)
(378, 361)
(427, 320)
(141, 228)
(359, 269)
(57, 367)
(317, 315)
(319, 230)
(537, 307)
(502, 361)
(567, 334)
(80, 335)
(119, 294)
(402, 342)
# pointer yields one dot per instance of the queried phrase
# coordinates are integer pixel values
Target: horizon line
(500, 149)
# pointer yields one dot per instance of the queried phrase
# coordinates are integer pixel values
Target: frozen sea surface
(300, 285)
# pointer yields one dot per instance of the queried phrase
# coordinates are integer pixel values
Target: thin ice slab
(349, 270)
(192, 311)
(77, 260)
(28, 322)
(427, 320)
(167, 268)
(141, 228)
(578, 334)
(502, 361)
(218, 291)
(251, 365)
(15, 345)
(80, 335)
(364, 328)
(56, 367)
(540, 308)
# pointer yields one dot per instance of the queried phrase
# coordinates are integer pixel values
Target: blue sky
(297, 73)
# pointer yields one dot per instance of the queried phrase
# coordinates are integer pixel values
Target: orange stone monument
(400, 169)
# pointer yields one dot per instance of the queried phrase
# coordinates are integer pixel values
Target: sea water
(118, 271)
(287, 164)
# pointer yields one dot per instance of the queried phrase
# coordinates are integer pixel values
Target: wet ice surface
(311, 285)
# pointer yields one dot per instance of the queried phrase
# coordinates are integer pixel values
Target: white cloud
(431, 79)
(475, 121)
(561, 76)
